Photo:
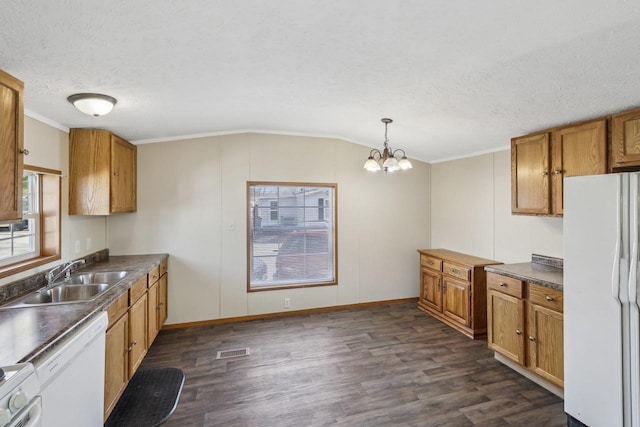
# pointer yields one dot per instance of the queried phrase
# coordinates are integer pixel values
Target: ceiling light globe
(93, 104)
(371, 165)
(405, 164)
(391, 164)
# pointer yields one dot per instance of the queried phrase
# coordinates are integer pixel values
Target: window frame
(50, 217)
(328, 211)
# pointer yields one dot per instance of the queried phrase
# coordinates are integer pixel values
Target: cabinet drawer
(545, 297)
(431, 262)
(505, 284)
(454, 270)
(137, 290)
(154, 275)
(163, 269)
(116, 309)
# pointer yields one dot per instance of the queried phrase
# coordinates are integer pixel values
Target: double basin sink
(80, 287)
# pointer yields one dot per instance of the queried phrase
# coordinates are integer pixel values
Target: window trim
(334, 282)
(50, 222)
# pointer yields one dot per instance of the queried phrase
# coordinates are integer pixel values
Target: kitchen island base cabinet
(453, 290)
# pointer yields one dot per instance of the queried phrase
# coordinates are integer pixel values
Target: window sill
(25, 265)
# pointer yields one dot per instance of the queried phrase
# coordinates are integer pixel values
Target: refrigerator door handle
(617, 258)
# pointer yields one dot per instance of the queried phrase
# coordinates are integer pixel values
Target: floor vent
(238, 352)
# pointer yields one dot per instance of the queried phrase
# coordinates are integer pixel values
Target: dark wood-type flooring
(386, 365)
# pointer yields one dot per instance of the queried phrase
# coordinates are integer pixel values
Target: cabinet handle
(430, 262)
(502, 284)
(134, 343)
(161, 305)
(531, 338)
(116, 173)
(129, 349)
(518, 332)
(545, 173)
(455, 270)
(557, 172)
(548, 298)
(24, 151)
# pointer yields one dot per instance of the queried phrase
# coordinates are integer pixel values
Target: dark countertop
(540, 274)
(27, 333)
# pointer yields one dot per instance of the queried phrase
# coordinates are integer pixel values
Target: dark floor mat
(149, 400)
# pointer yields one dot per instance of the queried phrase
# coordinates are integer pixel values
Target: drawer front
(504, 284)
(154, 275)
(116, 309)
(163, 269)
(431, 262)
(545, 297)
(458, 271)
(137, 290)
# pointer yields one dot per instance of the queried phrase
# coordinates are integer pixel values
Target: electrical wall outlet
(287, 303)
(89, 243)
(78, 246)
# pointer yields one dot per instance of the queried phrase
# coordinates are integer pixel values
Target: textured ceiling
(458, 77)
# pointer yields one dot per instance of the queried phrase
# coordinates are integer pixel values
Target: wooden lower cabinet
(137, 333)
(116, 363)
(545, 343)
(525, 324)
(453, 290)
(134, 321)
(505, 325)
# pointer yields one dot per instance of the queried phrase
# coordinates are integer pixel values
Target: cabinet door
(11, 147)
(505, 325)
(545, 343)
(163, 305)
(431, 294)
(153, 312)
(530, 174)
(116, 374)
(123, 175)
(577, 150)
(137, 333)
(625, 142)
(456, 297)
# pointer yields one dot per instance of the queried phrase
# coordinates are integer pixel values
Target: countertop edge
(504, 270)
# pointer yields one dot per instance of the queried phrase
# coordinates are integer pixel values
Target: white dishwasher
(72, 378)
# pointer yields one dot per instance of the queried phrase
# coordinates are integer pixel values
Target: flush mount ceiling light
(93, 104)
(387, 159)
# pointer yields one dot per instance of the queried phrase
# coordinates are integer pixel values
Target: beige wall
(49, 148)
(471, 212)
(192, 205)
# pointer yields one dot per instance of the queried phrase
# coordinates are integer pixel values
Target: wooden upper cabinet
(625, 139)
(540, 162)
(102, 173)
(530, 174)
(11, 146)
(123, 177)
(576, 150)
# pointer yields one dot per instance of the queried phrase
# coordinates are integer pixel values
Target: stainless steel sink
(97, 277)
(80, 287)
(67, 293)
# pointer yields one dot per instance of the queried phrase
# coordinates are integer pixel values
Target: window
(34, 240)
(296, 247)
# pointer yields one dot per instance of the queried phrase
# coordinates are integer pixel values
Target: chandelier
(387, 160)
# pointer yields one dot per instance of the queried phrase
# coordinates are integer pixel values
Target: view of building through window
(292, 235)
(19, 240)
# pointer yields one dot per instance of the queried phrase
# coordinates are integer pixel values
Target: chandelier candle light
(387, 159)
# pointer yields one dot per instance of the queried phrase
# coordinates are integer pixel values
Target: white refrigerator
(601, 313)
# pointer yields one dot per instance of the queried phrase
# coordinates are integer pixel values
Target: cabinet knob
(129, 349)
(557, 172)
(518, 332)
(502, 284)
(24, 151)
(116, 173)
(161, 305)
(531, 338)
(548, 298)
(545, 173)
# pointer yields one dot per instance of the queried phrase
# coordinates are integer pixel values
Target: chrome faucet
(52, 276)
